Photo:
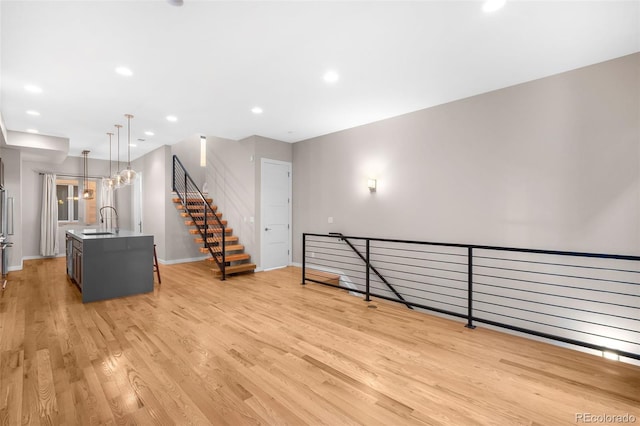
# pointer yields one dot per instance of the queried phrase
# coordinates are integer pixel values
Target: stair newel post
(223, 251)
(304, 257)
(470, 288)
(173, 174)
(204, 212)
(367, 261)
(186, 201)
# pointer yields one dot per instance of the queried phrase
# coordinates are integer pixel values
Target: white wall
(549, 164)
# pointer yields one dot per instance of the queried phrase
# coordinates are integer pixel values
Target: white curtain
(106, 199)
(49, 216)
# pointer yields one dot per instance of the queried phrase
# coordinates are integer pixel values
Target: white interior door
(275, 214)
(137, 203)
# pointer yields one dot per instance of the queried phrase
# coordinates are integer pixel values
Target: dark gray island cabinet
(106, 264)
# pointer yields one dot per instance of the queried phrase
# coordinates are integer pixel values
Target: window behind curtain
(68, 192)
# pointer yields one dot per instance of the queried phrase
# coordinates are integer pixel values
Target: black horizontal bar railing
(192, 199)
(370, 267)
(590, 300)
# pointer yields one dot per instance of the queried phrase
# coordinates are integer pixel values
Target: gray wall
(273, 150)
(230, 178)
(234, 180)
(180, 244)
(31, 200)
(13, 185)
(550, 164)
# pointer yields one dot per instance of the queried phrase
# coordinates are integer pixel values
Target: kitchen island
(106, 264)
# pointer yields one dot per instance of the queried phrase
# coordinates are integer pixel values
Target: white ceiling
(210, 62)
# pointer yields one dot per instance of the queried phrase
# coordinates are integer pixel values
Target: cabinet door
(69, 254)
(79, 277)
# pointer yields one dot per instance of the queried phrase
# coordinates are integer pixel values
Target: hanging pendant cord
(129, 117)
(110, 148)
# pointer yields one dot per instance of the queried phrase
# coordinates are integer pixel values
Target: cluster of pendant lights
(126, 176)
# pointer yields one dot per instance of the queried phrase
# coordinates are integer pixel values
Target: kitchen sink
(97, 233)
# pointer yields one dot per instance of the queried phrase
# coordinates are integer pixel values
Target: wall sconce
(203, 151)
(371, 184)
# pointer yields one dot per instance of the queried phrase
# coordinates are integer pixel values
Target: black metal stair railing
(193, 200)
(591, 300)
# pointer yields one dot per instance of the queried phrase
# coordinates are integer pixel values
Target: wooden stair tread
(233, 257)
(212, 240)
(195, 208)
(199, 214)
(212, 222)
(195, 211)
(228, 248)
(244, 267)
(323, 276)
(210, 231)
(192, 200)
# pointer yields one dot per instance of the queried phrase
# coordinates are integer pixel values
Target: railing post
(470, 289)
(186, 200)
(173, 175)
(367, 261)
(304, 257)
(223, 252)
(206, 234)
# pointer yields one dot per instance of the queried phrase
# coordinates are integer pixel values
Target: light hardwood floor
(262, 349)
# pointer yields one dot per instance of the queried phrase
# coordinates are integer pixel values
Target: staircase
(207, 226)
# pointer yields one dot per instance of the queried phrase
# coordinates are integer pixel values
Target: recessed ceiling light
(256, 110)
(172, 118)
(149, 133)
(32, 131)
(33, 89)
(33, 112)
(124, 71)
(331, 76)
(493, 5)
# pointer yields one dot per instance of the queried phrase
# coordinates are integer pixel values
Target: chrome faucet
(115, 211)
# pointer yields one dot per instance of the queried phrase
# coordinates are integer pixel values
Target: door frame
(262, 218)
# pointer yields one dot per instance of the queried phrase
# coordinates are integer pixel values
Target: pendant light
(128, 175)
(87, 193)
(108, 182)
(117, 179)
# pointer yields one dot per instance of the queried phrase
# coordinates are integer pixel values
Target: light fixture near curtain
(117, 178)
(109, 182)
(128, 174)
(87, 194)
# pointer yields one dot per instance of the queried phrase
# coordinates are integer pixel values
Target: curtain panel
(49, 216)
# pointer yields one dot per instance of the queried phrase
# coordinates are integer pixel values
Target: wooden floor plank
(263, 349)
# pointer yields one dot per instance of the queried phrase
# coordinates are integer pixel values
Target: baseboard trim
(186, 260)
